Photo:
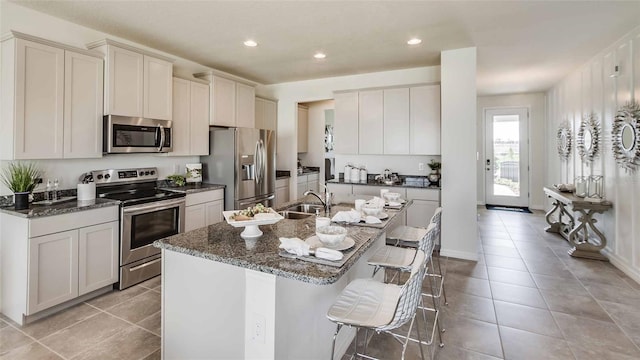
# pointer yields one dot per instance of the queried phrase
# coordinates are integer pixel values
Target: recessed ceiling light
(414, 41)
(250, 43)
(320, 55)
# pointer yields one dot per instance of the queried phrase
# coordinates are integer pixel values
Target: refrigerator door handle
(256, 162)
(263, 155)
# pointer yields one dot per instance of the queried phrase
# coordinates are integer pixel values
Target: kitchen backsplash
(401, 164)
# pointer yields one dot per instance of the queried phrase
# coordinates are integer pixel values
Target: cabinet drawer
(58, 223)
(280, 183)
(203, 197)
(313, 177)
(302, 179)
(423, 194)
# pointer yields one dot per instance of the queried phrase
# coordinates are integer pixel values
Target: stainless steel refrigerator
(243, 159)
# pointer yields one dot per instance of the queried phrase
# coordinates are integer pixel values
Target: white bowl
(370, 209)
(331, 235)
(392, 196)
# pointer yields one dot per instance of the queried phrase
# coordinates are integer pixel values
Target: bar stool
(382, 307)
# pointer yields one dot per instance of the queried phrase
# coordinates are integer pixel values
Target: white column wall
(459, 196)
(591, 89)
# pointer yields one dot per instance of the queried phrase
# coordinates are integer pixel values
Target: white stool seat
(393, 257)
(407, 233)
(366, 303)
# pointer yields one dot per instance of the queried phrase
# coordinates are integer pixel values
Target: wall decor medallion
(589, 137)
(626, 136)
(564, 140)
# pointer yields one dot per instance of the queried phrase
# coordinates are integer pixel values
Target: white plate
(267, 219)
(401, 201)
(314, 243)
(380, 216)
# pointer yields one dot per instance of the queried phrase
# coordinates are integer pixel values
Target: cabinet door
(425, 120)
(158, 85)
(345, 130)
(181, 116)
(125, 74)
(259, 124)
(199, 131)
(396, 121)
(420, 213)
(282, 195)
(270, 115)
(340, 189)
(53, 270)
(302, 187)
(83, 94)
(194, 217)
(303, 129)
(370, 124)
(245, 106)
(314, 185)
(223, 106)
(213, 212)
(98, 256)
(39, 101)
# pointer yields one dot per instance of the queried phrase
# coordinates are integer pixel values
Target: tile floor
(525, 299)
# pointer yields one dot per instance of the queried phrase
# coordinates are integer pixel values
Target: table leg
(585, 246)
(559, 226)
(553, 227)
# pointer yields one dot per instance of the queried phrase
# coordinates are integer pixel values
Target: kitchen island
(226, 297)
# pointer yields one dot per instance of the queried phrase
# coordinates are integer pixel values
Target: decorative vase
(21, 200)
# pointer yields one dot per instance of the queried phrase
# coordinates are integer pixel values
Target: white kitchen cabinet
(339, 189)
(245, 105)
(51, 100)
(190, 118)
(425, 120)
(396, 121)
(425, 203)
(223, 102)
(266, 114)
(370, 122)
(303, 129)
(98, 256)
(203, 209)
(308, 182)
(345, 130)
(282, 191)
(301, 186)
(139, 83)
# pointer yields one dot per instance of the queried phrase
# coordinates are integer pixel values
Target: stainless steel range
(146, 215)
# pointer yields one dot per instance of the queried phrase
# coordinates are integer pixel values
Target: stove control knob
(141, 173)
(107, 176)
(152, 172)
(146, 173)
(100, 177)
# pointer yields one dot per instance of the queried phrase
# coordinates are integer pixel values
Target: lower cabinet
(203, 209)
(282, 191)
(308, 182)
(425, 203)
(47, 261)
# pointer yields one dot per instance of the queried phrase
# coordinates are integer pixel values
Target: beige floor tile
(138, 308)
(556, 284)
(526, 318)
(116, 297)
(473, 335)
(131, 343)
(152, 283)
(586, 332)
(553, 268)
(614, 294)
(596, 352)
(10, 339)
(466, 268)
(532, 236)
(513, 277)
(578, 305)
(84, 335)
(470, 306)
(501, 251)
(468, 285)
(32, 351)
(627, 317)
(498, 242)
(505, 262)
(524, 345)
(157, 355)
(450, 352)
(59, 321)
(522, 295)
(152, 323)
(600, 276)
(3, 324)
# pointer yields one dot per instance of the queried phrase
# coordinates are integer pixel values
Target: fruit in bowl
(392, 196)
(371, 209)
(331, 235)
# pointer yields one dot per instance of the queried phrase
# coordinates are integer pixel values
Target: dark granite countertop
(58, 209)
(283, 174)
(421, 183)
(193, 188)
(221, 242)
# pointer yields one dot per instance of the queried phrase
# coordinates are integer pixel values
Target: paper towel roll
(86, 192)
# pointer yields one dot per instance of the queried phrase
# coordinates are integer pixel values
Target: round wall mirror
(589, 137)
(564, 141)
(626, 136)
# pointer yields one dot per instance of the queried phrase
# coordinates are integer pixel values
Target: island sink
(293, 215)
(307, 208)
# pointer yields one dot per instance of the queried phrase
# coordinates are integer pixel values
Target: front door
(507, 156)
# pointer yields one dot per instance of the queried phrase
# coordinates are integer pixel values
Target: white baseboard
(465, 255)
(481, 203)
(622, 265)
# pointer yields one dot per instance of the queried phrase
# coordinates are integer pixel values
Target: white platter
(251, 229)
(315, 243)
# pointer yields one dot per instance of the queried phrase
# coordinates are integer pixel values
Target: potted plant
(435, 166)
(176, 179)
(20, 178)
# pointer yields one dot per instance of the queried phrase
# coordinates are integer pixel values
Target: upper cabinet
(190, 118)
(399, 121)
(138, 83)
(51, 100)
(266, 114)
(232, 102)
(303, 129)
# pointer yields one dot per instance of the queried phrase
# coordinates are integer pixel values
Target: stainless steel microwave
(124, 134)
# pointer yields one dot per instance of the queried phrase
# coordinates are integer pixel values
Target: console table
(584, 245)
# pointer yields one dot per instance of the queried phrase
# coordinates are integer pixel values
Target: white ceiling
(523, 46)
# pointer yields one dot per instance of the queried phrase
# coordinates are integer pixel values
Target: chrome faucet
(326, 203)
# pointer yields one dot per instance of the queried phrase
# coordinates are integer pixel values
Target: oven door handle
(156, 206)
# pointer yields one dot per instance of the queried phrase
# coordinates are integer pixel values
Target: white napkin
(351, 216)
(376, 201)
(294, 246)
(372, 220)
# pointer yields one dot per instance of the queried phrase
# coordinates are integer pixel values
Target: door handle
(161, 128)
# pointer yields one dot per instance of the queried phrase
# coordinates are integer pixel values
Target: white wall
(536, 103)
(315, 154)
(590, 88)
(459, 101)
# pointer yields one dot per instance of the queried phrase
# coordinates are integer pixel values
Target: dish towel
(351, 216)
(372, 220)
(300, 248)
